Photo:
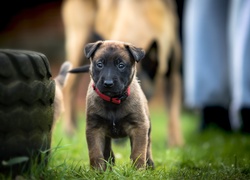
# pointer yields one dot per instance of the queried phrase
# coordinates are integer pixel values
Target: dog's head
(112, 65)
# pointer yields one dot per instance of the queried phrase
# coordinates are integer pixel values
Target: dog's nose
(108, 83)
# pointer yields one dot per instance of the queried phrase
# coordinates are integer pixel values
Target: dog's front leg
(139, 143)
(96, 142)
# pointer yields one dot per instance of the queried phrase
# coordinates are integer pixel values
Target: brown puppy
(116, 105)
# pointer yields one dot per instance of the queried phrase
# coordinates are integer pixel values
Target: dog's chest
(116, 125)
(115, 120)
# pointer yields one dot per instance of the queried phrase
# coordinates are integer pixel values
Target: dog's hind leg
(149, 158)
(108, 153)
(173, 97)
(78, 18)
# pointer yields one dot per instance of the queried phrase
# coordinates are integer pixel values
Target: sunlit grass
(209, 155)
(212, 154)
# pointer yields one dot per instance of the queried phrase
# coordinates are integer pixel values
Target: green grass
(209, 155)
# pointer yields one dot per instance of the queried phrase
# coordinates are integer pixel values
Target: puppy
(116, 106)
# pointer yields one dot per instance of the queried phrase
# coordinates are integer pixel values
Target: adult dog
(150, 24)
(116, 105)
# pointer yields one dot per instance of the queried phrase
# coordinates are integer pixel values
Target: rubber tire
(26, 106)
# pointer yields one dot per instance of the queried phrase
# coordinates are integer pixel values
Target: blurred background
(38, 26)
(34, 25)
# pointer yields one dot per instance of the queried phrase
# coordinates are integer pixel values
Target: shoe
(245, 117)
(215, 115)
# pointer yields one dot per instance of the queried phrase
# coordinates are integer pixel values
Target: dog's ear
(90, 48)
(137, 53)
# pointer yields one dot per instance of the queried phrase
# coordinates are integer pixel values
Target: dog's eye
(99, 65)
(121, 65)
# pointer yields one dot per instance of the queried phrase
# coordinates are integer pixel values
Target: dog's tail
(82, 69)
(61, 77)
(60, 81)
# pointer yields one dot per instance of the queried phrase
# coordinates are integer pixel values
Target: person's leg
(205, 59)
(205, 53)
(239, 39)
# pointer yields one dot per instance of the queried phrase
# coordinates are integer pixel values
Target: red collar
(115, 100)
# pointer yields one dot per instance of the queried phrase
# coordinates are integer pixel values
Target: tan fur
(139, 22)
(58, 101)
(60, 81)
(135, 108)
(135, 103)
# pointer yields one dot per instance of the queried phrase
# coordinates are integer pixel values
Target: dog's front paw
(98, 164)
(139, 164)
(150, 164)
